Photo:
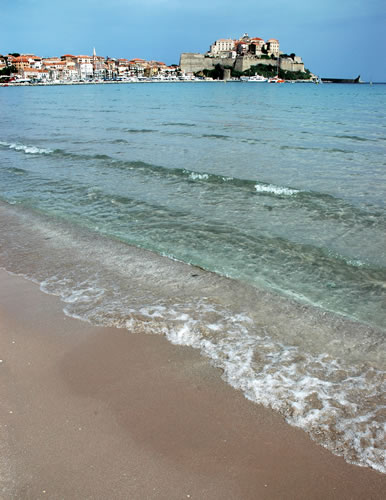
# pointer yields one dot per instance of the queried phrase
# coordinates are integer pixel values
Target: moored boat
(276, 79)
(255, 78)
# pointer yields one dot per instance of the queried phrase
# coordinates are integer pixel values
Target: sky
(335, 38)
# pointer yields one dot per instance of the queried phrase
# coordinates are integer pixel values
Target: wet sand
(102, 413)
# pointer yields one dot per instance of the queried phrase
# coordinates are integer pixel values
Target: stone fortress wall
(194, 63)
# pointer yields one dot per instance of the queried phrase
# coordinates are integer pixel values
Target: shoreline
(109, 82)
(149, 80)
(97, 412)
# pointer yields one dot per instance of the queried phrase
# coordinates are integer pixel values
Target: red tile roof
(34, 70)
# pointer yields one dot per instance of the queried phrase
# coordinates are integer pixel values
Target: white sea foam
(197, 176)
(318, 393)
(84, 293)
(271, 188)
(26, 148)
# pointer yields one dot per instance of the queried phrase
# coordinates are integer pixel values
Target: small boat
(276, 79)
(255, 78)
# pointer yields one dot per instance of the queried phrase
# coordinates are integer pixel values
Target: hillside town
(226, 59)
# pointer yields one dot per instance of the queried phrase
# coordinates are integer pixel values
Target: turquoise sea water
(275, 192)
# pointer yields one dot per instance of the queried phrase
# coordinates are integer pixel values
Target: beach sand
(102, 413)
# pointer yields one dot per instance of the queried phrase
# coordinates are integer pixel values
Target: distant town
(80, 68)
(245, 59)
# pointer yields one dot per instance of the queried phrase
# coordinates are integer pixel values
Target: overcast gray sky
(341, 38)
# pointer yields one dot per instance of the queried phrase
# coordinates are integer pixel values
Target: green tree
(8, 70)
(267, 70)
(294, 75)
(216, 73)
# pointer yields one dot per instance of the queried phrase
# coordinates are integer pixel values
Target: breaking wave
(279, 190)
(28, 149)
(260, 187)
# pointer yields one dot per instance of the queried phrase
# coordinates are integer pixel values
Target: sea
(247, 220)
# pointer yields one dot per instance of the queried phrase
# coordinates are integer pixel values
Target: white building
(35, 74)
(84, 66)
(273, 47)
(222, 45)
(35, 62)
(55, 67)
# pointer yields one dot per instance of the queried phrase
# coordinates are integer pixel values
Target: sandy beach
(97, 413)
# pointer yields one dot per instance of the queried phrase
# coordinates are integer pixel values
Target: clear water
(276, 193)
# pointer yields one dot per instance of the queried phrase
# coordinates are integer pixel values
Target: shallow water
(276, 193)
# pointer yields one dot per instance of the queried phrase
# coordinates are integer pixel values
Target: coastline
(197, 80)
(98, 412)
(154, 80)
(144, 80)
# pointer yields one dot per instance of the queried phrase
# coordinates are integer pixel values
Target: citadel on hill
(241, 55)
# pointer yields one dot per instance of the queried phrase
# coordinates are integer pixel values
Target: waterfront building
(19, 62)
(138, 66)
(111, 68)
(124, 69)
(39, 75)
(83, 65)
(69, 71)
(155, 68)
(55, 66)
(98, 64)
